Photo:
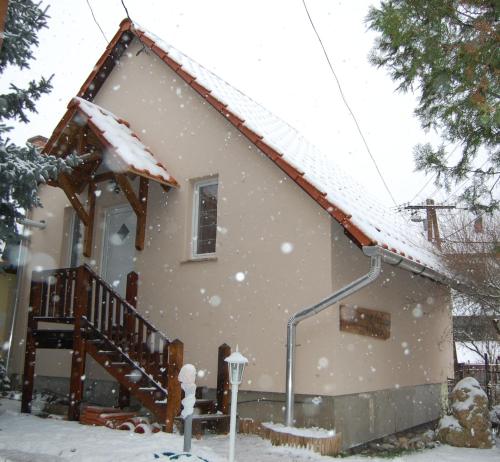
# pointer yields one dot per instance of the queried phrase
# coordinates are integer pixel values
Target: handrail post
(30, 352)
(223, 379)
(82, 289)
(131, 297)
(175, 360)
(164, 368)
(132, 288)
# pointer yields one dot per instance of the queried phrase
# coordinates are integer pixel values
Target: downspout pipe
(376, 257)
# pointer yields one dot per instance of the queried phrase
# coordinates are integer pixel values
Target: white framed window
(204, 227)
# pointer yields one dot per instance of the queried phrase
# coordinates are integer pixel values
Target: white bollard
(187, 377)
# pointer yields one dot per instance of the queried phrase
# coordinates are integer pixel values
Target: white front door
(118, 249)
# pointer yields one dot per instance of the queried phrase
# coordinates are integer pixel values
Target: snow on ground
(25, 438)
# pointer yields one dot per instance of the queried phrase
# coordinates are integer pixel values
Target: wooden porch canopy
(108, 150)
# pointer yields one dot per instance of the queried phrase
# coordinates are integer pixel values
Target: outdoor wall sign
(362, 321)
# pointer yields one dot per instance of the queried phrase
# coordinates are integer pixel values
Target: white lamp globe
(236, 362)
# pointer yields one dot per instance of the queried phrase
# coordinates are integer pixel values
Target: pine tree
(447, 52)
(22, 169)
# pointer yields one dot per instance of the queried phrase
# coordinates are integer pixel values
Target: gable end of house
(111, 57)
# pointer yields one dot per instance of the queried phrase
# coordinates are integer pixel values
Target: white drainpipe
(377, 255)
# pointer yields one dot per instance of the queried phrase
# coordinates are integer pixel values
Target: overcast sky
(268, 50)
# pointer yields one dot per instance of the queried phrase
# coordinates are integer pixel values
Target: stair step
(142, 384)
(210, 417)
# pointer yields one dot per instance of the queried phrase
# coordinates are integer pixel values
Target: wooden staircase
(108, 327)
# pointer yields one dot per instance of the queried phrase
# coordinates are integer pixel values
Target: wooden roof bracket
(70, 192)
(139, 205)
(86, 217)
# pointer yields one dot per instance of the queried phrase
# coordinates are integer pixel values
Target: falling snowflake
(323, 363)
(239, 276)
(215, 300)
(417, 312)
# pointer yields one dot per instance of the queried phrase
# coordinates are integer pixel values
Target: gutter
(377, 256)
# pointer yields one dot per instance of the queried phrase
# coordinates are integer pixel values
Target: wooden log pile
(117, 419)
(104, 416)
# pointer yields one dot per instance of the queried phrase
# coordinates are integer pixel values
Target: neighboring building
(38, 141)
(245, 223)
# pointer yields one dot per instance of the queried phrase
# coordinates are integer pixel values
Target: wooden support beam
(91, 157)
(79, 347)
(106, 176)
(67, 187)
(123, 396)
(175, 360)
(140, 233)
(81, 140)
(128, 190)
(30, 353)
(223, 379)
(89, 227)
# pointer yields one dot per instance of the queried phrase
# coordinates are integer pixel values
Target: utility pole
(431, 222)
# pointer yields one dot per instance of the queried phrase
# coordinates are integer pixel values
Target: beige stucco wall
(7, 295)
(417, 352)
(45, 250)
(259, 209)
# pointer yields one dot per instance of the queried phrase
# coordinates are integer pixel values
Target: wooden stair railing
(109, 328)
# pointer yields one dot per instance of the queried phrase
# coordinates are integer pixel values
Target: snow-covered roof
(128, 152)
(363, 217)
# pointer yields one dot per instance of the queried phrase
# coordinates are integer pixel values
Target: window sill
(199, 259)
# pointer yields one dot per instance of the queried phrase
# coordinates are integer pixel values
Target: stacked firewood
(117, 419)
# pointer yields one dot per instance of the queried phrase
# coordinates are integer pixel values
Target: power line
(95, 20)
(347, 104)
(472, 242)
(126, 11)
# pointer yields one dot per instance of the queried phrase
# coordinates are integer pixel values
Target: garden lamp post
(236, 362)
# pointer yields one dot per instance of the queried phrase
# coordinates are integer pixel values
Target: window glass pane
(76, 242)
(207, 219)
